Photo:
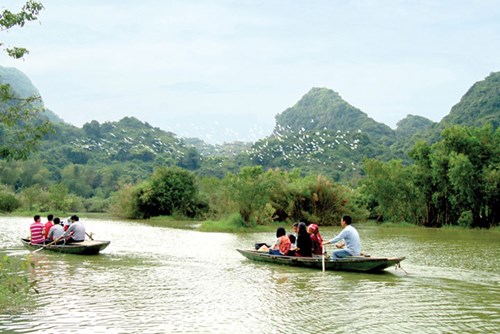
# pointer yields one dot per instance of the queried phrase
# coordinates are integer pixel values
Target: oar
(323, 257)
(89, 235)
(43, 246)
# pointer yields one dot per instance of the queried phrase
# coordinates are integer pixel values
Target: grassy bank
(231, 224)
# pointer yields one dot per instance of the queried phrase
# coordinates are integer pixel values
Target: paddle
(89, 235)
(323, 257)
(43, 246)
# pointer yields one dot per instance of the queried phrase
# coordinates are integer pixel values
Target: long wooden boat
(352, 263)
(87, 247)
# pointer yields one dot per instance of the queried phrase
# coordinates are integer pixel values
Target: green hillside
(324, 109)
(480, 105)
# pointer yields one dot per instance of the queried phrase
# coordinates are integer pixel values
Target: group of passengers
(54, 231)
(307, 241)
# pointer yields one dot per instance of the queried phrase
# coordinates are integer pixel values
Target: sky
(222, 70)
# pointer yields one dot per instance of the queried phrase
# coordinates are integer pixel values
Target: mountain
(22, 87)
(411, 129)
(411, 125)
(323, 108)
(129, 139)
(19, 82)
(480, 105)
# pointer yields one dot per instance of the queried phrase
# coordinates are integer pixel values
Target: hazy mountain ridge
(22, 87)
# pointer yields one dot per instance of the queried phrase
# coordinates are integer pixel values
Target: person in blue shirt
(351, 245)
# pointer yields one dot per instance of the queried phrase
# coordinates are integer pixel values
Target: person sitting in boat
(316, 239)
(36, 231)
(282, 244)
(47, 226)
(351, 245)
(66, 224)
(55, 232)
(295, 228)
(75, 232)
(304, 244)
(293, 242)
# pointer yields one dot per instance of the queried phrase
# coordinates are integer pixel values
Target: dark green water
(163, 280)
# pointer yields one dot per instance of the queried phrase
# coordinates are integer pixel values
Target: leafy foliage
(479, 106)
(15, 284)
(454, 178)
(21, 126)
(168, 191)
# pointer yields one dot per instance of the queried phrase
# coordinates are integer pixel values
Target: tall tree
(20, 124)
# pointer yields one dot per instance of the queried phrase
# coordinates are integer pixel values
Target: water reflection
(163, 280)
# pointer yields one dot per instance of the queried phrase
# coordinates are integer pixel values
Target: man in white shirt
(76, 231)
(352, 243)
(55, 231)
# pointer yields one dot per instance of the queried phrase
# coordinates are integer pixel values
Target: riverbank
(229, 225)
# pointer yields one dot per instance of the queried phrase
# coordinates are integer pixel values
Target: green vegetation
(21, 129)
(21, 126)
(15, 285)
(455, 181)
(478, 107)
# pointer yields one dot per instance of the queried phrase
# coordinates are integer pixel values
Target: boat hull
(87, 247)
(352, 263)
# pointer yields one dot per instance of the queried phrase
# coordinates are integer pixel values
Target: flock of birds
(285, 146)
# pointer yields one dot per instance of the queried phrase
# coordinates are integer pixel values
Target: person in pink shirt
(36, 231)
(47, 226)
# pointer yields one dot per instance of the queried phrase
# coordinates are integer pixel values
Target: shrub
(8, 202)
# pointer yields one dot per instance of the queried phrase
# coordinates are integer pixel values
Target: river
(163, 280)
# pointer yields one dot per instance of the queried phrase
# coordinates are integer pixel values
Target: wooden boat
(87, 247)
(352, 263)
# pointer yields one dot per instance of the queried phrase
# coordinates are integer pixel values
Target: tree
(250, 190)
(459, 175)
(21, 127)
(31, 196)
(473, 159)
(390, 189)
(15, 125)
(423, 179)
(169, 190)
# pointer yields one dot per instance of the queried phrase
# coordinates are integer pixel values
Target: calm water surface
(163, 280)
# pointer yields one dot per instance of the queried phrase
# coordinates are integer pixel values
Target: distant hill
(18, 81)
(411, 125)
(411, 129)
(126, 140)
(322, 108)
(22, 87)
(480, 105)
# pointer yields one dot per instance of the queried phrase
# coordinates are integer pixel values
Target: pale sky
(222, 70)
